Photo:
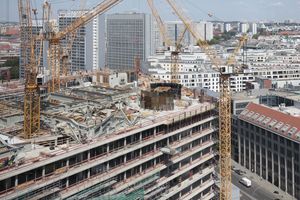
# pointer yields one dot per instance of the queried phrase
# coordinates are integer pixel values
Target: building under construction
(97, 142)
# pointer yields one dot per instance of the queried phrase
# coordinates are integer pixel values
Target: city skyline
(235, 10)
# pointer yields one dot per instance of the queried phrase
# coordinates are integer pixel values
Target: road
(255, 192)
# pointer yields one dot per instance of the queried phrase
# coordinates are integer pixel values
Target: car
(246, 181)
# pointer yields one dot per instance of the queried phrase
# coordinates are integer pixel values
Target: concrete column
(43, 170)
(267, 163)
(154, 131)
(125, 176)
(67, 182)
(125, 142)
(107, 166)
(107, 148)
(285, 170)
(239, 148)
(89, 155)
(244, 151)
(273, 162)
(293, 175)
(249, 154)
(125, 159)
(254, 156)
(89, 173)
(279, 167)
(154, 146)
(16, 180)
(141, 136)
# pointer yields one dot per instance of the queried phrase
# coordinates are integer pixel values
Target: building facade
(170, 156)
(128, 36)
(267, 142)
(86, 47)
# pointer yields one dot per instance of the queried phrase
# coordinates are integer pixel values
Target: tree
(14, 70)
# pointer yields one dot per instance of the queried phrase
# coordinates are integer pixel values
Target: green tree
(14, 70)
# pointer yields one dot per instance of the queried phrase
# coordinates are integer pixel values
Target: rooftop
(273, 120)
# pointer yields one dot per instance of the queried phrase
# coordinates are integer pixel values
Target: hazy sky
(242, 10)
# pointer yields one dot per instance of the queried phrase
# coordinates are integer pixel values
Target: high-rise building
(244, 27)
(253, 28)
(175, 29)
(128, 37)
(88, 47)
(36, 28)
(205, 29)
(227, 27)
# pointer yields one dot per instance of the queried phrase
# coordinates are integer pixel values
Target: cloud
(277, 4)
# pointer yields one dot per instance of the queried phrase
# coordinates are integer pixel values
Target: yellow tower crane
(54, 39)
(224, 100)
(32, 97)
(167, 41)
(28, 60)
(224, 105)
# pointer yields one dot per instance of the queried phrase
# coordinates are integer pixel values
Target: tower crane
(28, 60)
(55, 37)
(167, 41)
(224, 104)
(32, 97)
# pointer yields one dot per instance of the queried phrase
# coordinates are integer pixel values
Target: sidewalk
(263, 183)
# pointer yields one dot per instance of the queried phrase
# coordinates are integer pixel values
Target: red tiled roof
(271, 119)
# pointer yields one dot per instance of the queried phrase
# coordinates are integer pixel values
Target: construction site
(96, 135)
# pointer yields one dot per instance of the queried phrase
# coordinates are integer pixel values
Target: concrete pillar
(279, 167)
(154, 131)
(67, 182)
(249, 154)
(244, 151)
(154, 146)
(43, 170)
(16, 180)
(89, 155)
(267, 163)
(239, 148)
(125, 158)
(272, 162)
(285, 170)
(141, 136)
(260, 161)
(89, 173)
(293, 175)
(125, 176)
(125, 142)
(254, 156)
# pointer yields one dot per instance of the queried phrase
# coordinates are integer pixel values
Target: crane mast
(167, 41)
(31, 96)
(54, 39)
(224, 106)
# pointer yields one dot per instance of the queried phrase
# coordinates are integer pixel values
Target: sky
(226, 10)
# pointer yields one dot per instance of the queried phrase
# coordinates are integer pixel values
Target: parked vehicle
(245, 181)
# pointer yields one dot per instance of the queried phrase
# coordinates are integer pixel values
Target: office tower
(244, 27)
(253, 28)
(128, 37)
(227, 27)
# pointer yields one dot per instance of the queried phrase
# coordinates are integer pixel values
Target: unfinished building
(99, 143)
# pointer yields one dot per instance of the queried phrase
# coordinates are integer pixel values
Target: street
(255, 192)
